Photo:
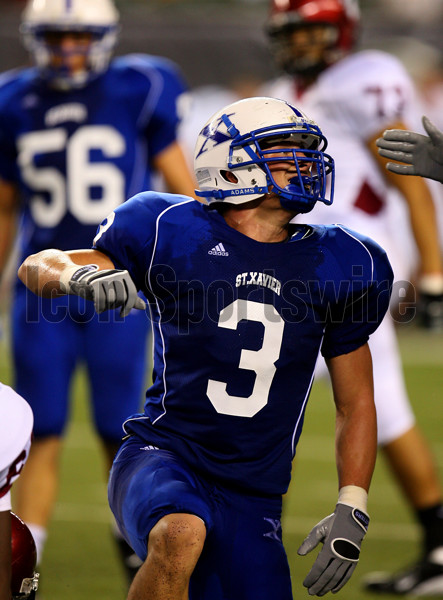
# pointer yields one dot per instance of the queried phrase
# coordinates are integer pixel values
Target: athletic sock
(431, 520)
(39, 533)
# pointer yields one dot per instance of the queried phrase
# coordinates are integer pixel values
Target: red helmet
(341, 15)
(24, 580)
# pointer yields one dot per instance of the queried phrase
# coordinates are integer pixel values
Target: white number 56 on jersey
(73, 193)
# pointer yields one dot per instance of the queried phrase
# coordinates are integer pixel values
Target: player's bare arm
(342, 532)
(86, 273)
(356, 426)
(41, 272)
(171, 163)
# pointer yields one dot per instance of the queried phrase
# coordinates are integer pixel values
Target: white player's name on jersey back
(72, 111)
(257, 278)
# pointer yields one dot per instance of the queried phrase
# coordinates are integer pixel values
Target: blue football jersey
(238, 326)
(78, 155)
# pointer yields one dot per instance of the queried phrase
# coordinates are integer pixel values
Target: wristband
(74, 273)
(354, 496)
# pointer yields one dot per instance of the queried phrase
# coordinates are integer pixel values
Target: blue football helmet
(234, 151)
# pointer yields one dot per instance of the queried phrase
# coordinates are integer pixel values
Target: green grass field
(81, 562)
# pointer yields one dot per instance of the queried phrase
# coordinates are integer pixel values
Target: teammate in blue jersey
(79, 134)
(242, 302)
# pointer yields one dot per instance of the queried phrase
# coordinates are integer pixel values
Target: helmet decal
(212, 134)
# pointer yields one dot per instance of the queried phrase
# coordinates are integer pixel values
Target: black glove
(423, 155)
(341, 535)
(108, 289)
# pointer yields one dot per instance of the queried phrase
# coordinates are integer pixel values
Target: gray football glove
(108, 289)
(341, 535)
(423, 155)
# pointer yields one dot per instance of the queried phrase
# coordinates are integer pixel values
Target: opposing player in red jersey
(356, 95)
(17, 548)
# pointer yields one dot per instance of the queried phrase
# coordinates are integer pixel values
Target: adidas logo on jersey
(219, 250)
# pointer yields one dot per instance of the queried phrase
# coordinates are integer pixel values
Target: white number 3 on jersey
(261, 361)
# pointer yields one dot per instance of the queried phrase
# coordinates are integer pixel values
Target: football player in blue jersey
(242, 301)
(79, 134)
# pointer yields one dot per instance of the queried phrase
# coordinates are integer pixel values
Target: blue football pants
(243, 556)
